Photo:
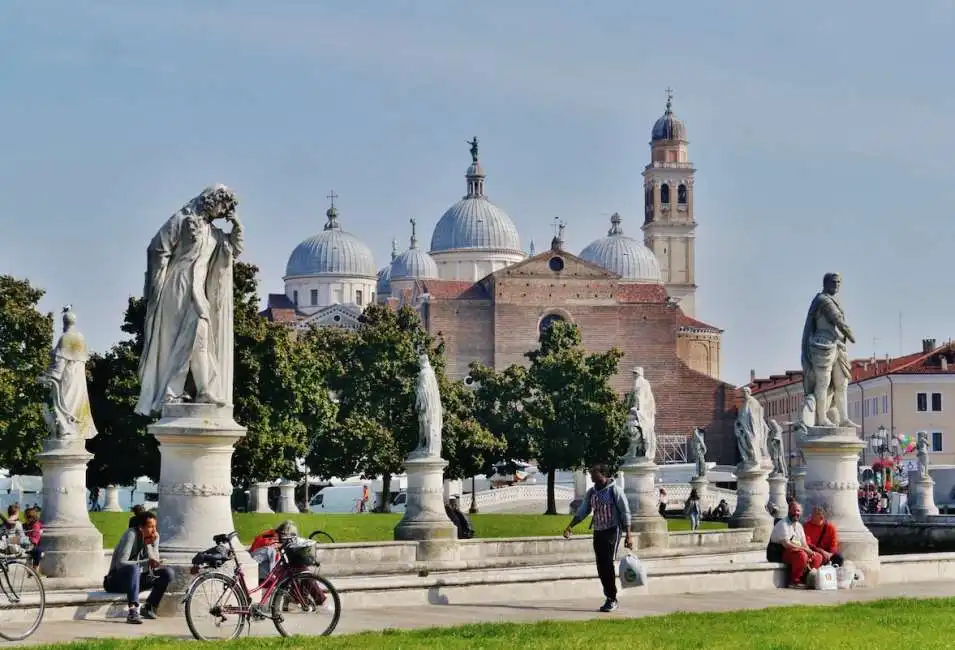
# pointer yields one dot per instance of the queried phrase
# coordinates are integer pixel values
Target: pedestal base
(924, 505)
(260, 498)
(649, 528)
(112, 499)
(799, 484)
(832, 455)
(195, 487)
(702, 486)
(777, 494)
(752, 496)
(425, 520)
(287, 498)
(72, 546)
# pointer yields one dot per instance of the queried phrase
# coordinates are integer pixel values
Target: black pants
(131, 580)
(605, 550)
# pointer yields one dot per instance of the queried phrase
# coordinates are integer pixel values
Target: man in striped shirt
(611, 514)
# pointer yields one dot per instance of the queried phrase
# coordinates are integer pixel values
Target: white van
(346, 497)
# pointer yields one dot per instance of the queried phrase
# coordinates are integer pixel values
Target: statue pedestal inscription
(260, 497)
(649, 528)
(72, 546)
(752, 495)
(287, 497)
(196, 442)
(832, 455)
(425, 520)
(777, 493)
(923, 489)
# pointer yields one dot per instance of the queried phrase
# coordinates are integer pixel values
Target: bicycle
(321, 537)
(20, 587)
(287, 589)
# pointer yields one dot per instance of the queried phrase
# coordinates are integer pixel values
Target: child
(34, 531)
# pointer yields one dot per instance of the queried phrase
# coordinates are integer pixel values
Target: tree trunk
(385, 505)
(551, 500)
(473, 509)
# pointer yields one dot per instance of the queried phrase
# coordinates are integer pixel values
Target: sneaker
(609, 606)
(149, 612)
(133, 617)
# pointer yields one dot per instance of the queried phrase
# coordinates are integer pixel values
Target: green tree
(466, 443)
(26, 337)
(562, 410)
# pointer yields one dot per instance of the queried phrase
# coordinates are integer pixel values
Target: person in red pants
(788, 532)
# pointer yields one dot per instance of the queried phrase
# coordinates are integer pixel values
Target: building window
(295, 298)
(866, 405)
(314, 296)
(885, 403)
(921, 402)
(936, 402)
(372, 296)
(547, 321)
(358, 297)
(681, 194)
(936, 441)
(665, 194)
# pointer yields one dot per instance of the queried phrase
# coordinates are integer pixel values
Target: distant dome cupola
(331, 252)
(414, 263)
(623, 255)
(668, 127)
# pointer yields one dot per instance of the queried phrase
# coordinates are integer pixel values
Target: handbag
(774, 552)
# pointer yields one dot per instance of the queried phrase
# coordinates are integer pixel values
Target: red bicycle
(296, 599)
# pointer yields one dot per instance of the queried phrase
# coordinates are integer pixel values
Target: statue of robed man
(68, 413)
(430, 412)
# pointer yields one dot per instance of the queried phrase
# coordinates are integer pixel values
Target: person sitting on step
(823, 537)
(135, 567)
(460, 521)
(788, 532)
(265, 547)
(33, 530)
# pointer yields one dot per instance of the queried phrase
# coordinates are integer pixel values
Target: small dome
(668, 127)
(331, 252)
(414, 263)
(623, 255)
(474, 222)
(383, 288)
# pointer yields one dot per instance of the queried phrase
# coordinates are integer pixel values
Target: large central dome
(474, 222)
(331, 252)
(623, 255)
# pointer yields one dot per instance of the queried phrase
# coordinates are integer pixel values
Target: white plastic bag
(845, 575)
(826, 578)
(632, 572)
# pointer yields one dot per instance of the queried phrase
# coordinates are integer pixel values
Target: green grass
(376, 527)
(897, 623)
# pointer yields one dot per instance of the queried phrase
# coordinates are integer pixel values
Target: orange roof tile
(453, 289)
(692, 323)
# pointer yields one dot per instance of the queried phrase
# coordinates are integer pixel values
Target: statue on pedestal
(825, 359)
(68, 415)
(699, 449)
(750, 428)
(430, 412)
(921, 453)
(776, 450)
(642, 415)
(189, 304)
(643, 446)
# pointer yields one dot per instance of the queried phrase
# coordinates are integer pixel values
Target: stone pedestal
(196, 442)
(640, 488)
(832, 481)
(425, 520)
(73, 547)
(287, 497)
(581, 485)
(923, 489)
(702, 486)
(260, 497)
(752, 496)
(799, 484)
(777, 493)
(112, 499)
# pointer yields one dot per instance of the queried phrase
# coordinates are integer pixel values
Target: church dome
(474, 222)
(668, 127)
(383, 288)
(414, 263)
(623, 255)
(331, 252)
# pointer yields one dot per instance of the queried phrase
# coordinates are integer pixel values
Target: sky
(822, 133)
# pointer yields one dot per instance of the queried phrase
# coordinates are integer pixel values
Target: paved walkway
(517, 611)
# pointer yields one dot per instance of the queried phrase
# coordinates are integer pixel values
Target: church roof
(332, 252)
(452, 289)
(279, 309)
(693, 324)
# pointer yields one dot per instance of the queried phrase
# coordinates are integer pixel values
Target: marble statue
(189, 304)
(641, 398)
(643, 444)
(921, 453)
(699, 448)
(750, 428)
(68, 415)
(430, 412)
(825, 358)
(776, 450)
(474, 149)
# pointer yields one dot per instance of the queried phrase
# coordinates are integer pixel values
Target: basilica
(489, 299)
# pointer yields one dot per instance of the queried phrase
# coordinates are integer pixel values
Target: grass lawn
(898, 623)
(376, 527)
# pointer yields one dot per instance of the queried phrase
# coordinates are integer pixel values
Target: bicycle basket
(302, 553)
(214, 557)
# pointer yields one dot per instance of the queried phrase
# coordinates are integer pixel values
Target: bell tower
(669, 229)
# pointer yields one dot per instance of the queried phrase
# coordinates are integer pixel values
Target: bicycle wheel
(217, 605)
(22, 599)
(321, 537)
(306, 603)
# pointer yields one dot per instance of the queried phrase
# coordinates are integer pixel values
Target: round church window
(547, 321)
(556, 264)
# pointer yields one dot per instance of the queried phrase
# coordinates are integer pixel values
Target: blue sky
(822, 132)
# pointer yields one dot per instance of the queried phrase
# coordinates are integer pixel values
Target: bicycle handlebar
(225, 539)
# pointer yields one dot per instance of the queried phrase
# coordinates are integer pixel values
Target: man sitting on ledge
(797, 555)
(823, 537)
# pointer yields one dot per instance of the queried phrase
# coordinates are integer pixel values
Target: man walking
(611, 513)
